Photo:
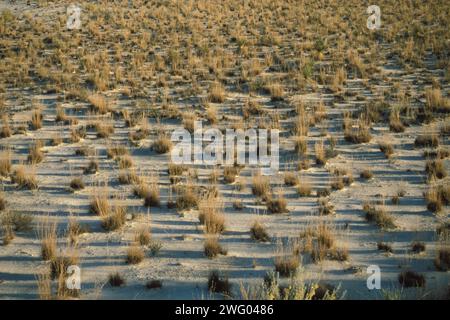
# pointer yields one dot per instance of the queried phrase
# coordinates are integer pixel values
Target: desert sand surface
(86, 120)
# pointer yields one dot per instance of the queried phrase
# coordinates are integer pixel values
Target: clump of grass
(25, 179)
(304, 188)
(258, 232)
(366, 174)
(153, 284)
(117, 151)
(442, 260)
(277, 204)
(92, 167)
(187, 199)
(99, 104)
(427, 140)
(5, 130)
(437, 196)
(125, 162)
(418, 247)
(60, 263)
(219, 283)
(325, 208)
(276, 91)
(360, 135)
(135, 254)
(114, 220)
(77, 184)
(129, 177)
(383, 246)
(100, 204)
(290, 178)
(409, 279)
(48, 236)
(162, 144)
(211, 216)
(435, 169)
(74, 229)
(176, 169)
(116, 280)
(319, 148)
(143, 236)
(212, 247)
(151, 196)
(395, 124)
(286, 262)
(229, 174)
(260, 185)
(216, 93)
(300, 145)
(36, 120)
(379, 215)
(5, 163)
(3, 202)
(35, 154)
(435, 101)
(386, 148)
(104, 130)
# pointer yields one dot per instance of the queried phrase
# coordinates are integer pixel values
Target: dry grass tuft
(216, 93)
(5, 163)
(24, 178)
(379, 215)
(260, 185)
(135, 254)
(411, 279)
(162, 144)
(219, 284)
(258, 232)
(212, 248)
(114, 220)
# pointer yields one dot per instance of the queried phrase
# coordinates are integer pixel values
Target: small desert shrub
(115, 220)
(91, 168)
(188, 199)
(211, 216)
(25, 179)
(104, 130)
(301, 145)
(277, 204)
(418, 247)
(47, 233)
(442, 260)
(99, 104)
(379, 215)
(410, 279)
(218, 283)
(435, 169)
(366, 174)
(287, 264)
(5, 163)
(437, 196)
(212, 247)
(229, 174)
(116, 280)
(258, 232)
(151, 196)
(216, 93)
(135, 254)
(77, 184)
(427, 140)
(143, 236)
(382, 246)
(117, 151)
(361, 135)
(162, 144)
(36, 120)
(319, 149)
(100, 204)
(260, 185)
(35, 154)
(290, 178)
(153, 284)
(386, 148)
(324, 206)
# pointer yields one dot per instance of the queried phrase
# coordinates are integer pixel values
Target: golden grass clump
(379, 215)
(48, 236)
(36, 155)
(99, 104)
(114, 220)
(162, 144)
(277, 204)
(290, 178)
(260, 185)
(216, 93)
(36, 119)
(100, 203)
(24, 178)
(135, 254)
(211, 216)
(212, 247)
(5, 162)
(258, 232)
(5, 130)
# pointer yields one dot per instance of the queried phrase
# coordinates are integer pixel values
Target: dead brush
(99, 104)
(115, 219)
(435, 102)
(387, 148)
(379, 215)
(125, 162)
(277, 204)
(189, 121)
(319, 149)
(360, 135)
(395, 124)
(287, 260)
(135, 254)
(275, 90)
(104, 130)
(216, 93)
(35, 154)
(219, 283)
(143, 236)
(100, 203)
(5, 162)
(129, 177)
(290, 178)
(75, 229)
(36, 120)
(48, 236)
(25, 178)
(325, 208)
(258, 232)
(260, 185)
(187, 198)
(437, 196)
(435, 169)
(152, 197)
(211, 216)
(212, 247)
(229, 174)
(304, 188)
(162, 144)
(251, 108)
(117, 151)
(5, 131)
